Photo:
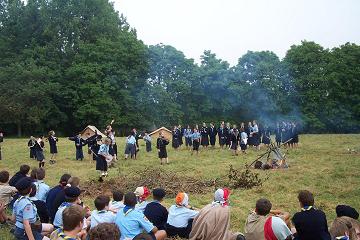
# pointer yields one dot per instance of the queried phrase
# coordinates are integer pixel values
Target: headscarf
(182, 199)
(221, 197)
(142, 193)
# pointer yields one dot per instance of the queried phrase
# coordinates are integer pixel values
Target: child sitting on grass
(117, 204)
(73, 221)
(102, 213)
(6, 191)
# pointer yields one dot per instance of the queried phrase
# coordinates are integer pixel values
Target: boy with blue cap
(71, 198)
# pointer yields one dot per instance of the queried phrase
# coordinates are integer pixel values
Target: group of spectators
(41, 212)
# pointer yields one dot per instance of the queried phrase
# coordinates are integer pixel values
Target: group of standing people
(233, 137)
(36, 147)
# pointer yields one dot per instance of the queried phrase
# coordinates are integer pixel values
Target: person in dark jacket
(155, 211)
(212, 134)
(204, 136)
(310, 223)
(60, 196)
(161, 146)
(31, 146)
(53, 193)
(222, 135)
(23, 172)
(53, 148)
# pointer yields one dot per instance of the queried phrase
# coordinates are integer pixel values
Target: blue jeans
(21, 235)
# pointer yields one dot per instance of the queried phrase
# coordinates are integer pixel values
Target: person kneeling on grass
(132, 222)
(181, 216)
(73, 218)
(254, 226)
(213, 221)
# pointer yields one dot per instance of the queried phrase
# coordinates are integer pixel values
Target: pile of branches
(244, 178)
(151, 178)
(172, 183)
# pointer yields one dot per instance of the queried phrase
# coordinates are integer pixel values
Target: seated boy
(73, 218)
(42, 189)
(310, 223)
(23, 172)
(132, 222)
(105, 231)
(117, 204)
(254, 226)
(102, 214)
(6, 191)
(155, 212)
(40, 206)
(71, 198)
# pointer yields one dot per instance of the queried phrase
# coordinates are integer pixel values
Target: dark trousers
(148, 146)
(181, 232)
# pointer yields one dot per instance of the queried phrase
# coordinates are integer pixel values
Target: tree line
(67, 64)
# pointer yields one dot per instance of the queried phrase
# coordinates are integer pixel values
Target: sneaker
(100, 179)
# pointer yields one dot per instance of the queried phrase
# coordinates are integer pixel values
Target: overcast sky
(230, 28)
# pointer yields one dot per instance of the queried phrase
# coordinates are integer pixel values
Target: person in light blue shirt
(71, 198)
(196, 139)
(102, 213)
(180, 217)
(101, 159)
(118, 202)
(25, 212)
(187, 134)
(132, 222)
(42, 189)
(130, 147)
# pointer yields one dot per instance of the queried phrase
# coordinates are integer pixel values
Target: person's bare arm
(28, 229)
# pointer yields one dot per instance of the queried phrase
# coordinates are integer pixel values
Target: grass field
(321, 164)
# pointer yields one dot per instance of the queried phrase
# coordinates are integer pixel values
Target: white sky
(230, 28)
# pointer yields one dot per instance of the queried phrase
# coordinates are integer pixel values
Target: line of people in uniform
(40, 212)
(232, 137)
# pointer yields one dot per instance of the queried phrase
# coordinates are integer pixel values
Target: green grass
(321, 164)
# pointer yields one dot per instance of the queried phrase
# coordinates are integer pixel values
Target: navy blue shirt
(51, 198)
(311, 225)
(16, 178)
(157, 214)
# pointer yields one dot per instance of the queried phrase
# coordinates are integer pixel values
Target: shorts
(20, 234)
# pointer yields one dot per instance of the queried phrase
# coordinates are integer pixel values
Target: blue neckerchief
(66, 204)
(127, 209)
(342, 238)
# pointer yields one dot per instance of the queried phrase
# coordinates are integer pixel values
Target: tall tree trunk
(19, 129)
